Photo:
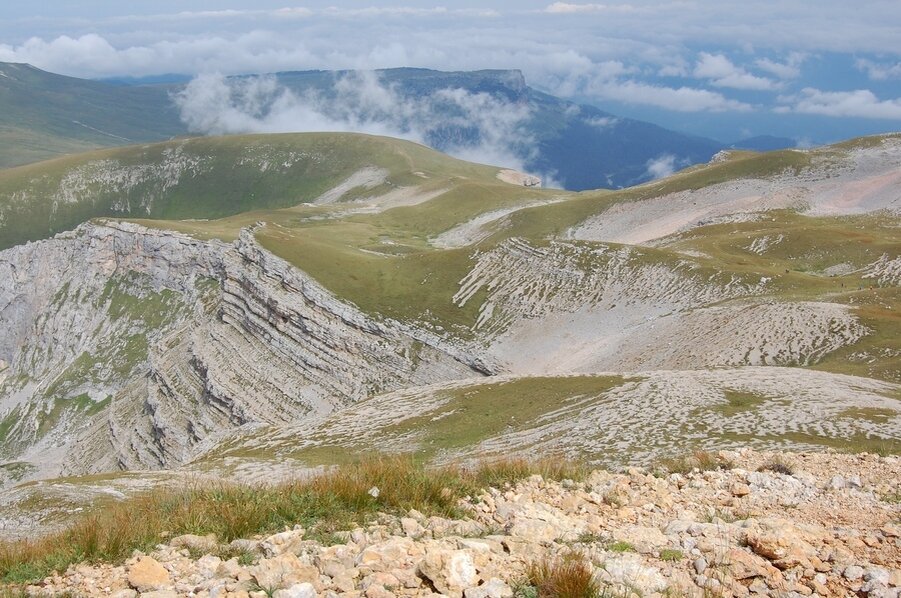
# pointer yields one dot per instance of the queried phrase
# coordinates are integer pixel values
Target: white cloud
(722, 73)
(681, 99)
(662, 166)
(603, 122)
(359, 101)
(861, 103)
(292, 12)
(672, 70)
(790, 69)
(568, 8)
(878, 71)
(605, 50)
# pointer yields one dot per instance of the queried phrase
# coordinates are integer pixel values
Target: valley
(253, 307)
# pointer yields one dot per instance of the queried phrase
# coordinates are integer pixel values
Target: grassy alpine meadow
(210, 178)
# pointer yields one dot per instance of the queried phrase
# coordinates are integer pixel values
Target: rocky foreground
(769, 525)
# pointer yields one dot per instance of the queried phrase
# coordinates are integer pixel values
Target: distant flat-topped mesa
(230, 305)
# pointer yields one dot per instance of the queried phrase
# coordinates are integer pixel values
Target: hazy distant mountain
(581, 147)
(43, 115)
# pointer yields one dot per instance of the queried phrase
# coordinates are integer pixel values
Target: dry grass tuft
(778, 464)
(698, 460)
(567, 577)
(509, 471)
(337, 500)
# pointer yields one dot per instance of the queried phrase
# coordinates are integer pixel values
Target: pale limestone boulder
(451, 571)
(646, 540)
(276, 544)
(785, 544)
(745, 565)
(629, 570)
(411, 527)
(146, 574)
(388, 554)
(298, 590)
(283, 571)
(493, 588)
(535, 530)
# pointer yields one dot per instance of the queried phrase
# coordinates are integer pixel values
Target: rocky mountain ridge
(755, 305)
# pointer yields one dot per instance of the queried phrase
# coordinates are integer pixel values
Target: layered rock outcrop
(129, 346)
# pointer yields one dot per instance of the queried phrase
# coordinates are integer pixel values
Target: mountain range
(576, 146)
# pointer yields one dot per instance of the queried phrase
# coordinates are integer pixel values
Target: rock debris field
(763, 524)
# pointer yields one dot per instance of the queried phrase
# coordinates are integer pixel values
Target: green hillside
(207, 178)
(43, 115)
(760, 308)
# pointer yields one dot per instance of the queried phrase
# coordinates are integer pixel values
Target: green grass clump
(499, 473)
(337, 500)
(620, 546)
(892, 498)
(739, 402)
(671, 555)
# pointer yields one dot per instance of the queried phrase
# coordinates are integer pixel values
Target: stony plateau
(741, 531)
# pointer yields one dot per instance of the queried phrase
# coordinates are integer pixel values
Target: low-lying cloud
(570, 8)
(479, 127)
(662, 166)
(679, 99)
(860, 103)
(723, 73)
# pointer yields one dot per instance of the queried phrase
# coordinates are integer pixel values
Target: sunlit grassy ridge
(205, 178)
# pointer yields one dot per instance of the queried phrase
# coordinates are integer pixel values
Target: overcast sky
(816, 70)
